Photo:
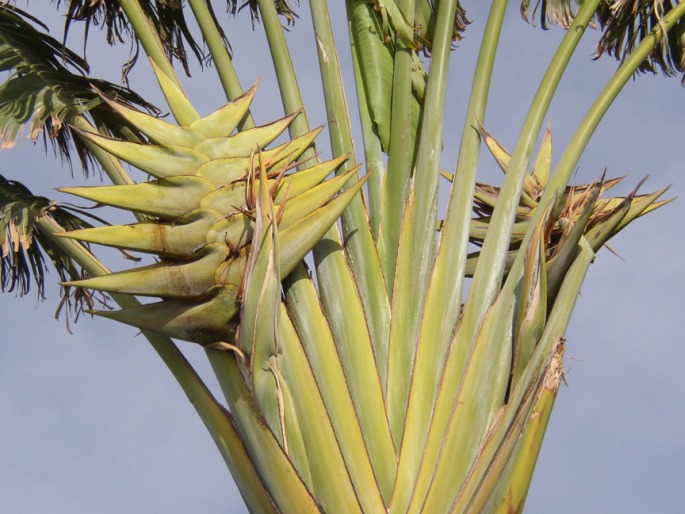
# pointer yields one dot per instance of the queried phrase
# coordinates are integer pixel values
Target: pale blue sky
(93, 422)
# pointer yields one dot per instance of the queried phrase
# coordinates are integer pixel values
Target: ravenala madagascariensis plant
(374, 354)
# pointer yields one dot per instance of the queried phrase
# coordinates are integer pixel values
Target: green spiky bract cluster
(579, 211)
(200, 210)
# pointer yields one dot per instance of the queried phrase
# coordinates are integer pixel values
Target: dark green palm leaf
(24, 246)
(282, 7)
(627, 22)
(554, 12)
(165, 15)
(624, 24)
(47, 88)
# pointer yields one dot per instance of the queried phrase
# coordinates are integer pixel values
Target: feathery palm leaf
(167, 16)
(48, 88)
(283, 8)
(624, 24)
(24, 245)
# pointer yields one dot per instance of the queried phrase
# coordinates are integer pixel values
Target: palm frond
(554, 12)
(282, 7)
(24, 246)
(47, 88)
(166, 16)
(624, 24)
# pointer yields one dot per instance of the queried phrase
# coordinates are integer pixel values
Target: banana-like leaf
(375, 57)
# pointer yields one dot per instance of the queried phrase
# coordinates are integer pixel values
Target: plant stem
(490, 268)
(154, 49)
(220, 56)
(359, 242)
(443, 303)
(417, 244)
(285, 73)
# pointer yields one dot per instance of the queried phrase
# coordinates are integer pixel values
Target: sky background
(93, 422)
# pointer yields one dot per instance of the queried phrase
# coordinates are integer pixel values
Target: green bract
(201, 212)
